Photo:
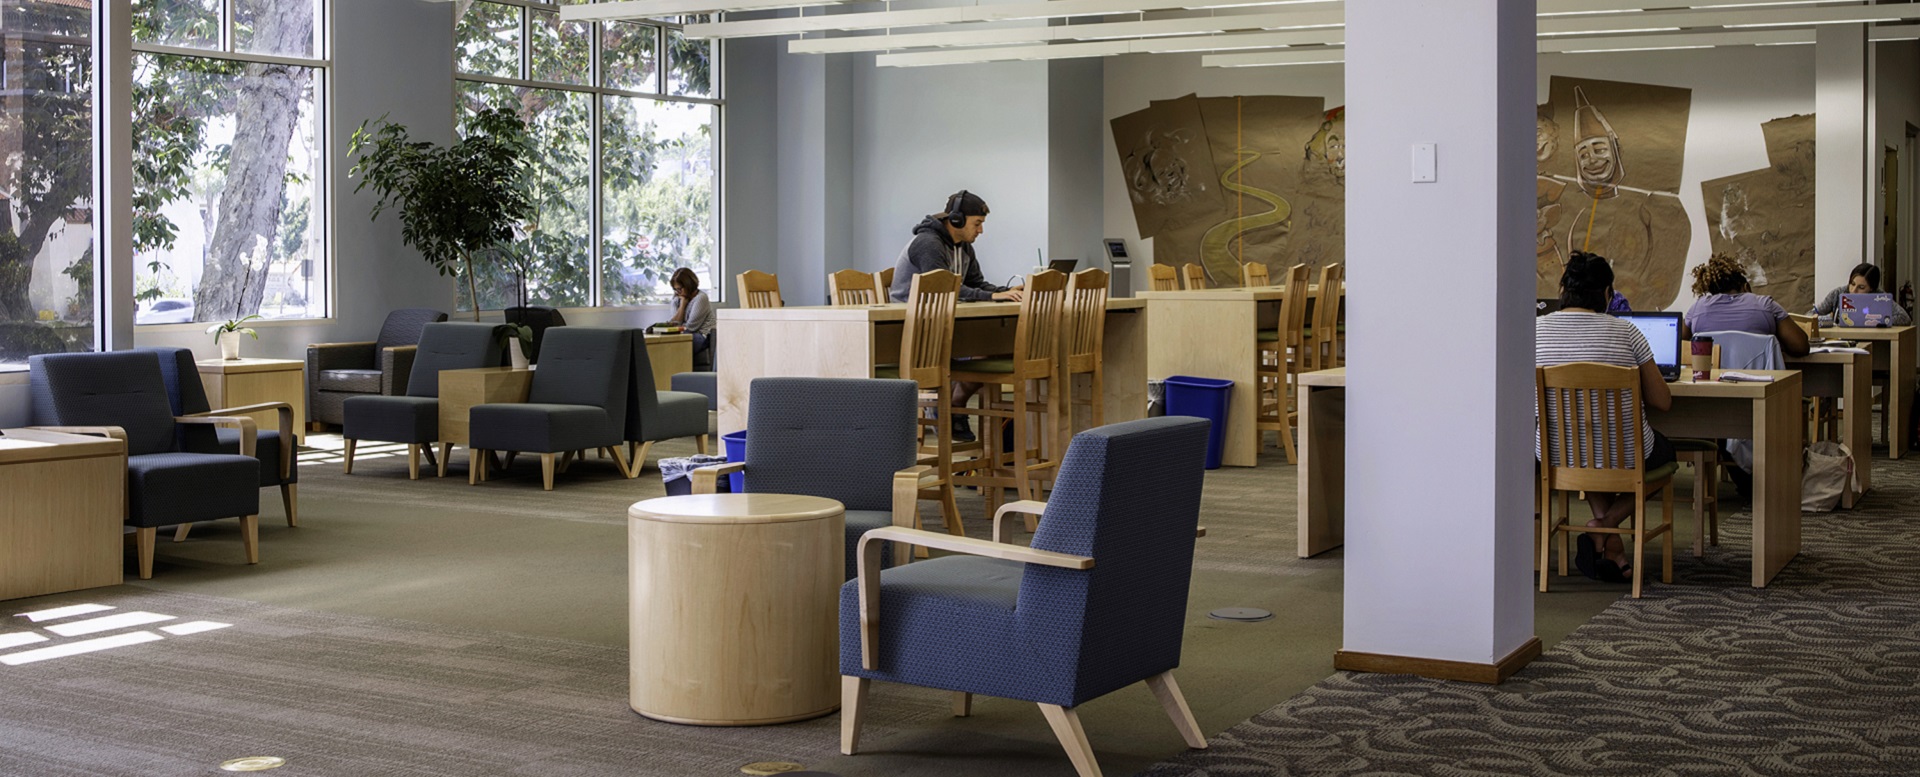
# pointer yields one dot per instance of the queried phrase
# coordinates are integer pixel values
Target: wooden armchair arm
(1002, 531)
(706, 480)
(868, 558)
(98, 431)
(249, 433)
(286, 427)
(907, 485)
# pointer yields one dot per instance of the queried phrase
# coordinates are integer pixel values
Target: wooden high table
(1893, 348)
(1849, 378)
(1214, 333)
(1767, 413)
(846, 341)
(61, 515)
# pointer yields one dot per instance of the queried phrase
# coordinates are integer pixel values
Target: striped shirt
(1566, 337)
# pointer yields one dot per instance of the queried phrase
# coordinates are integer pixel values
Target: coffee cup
(1701, 358)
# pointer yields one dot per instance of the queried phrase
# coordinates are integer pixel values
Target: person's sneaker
(962, 432)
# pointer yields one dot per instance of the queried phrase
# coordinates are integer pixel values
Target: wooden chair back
(760, 289)
(1591, 420)
(1254, 274)
(1163, 278)
(1324, 351)
(926, 341)
(1808, 324)
(883, 283)
(1036, 337)
(1193, 276)
(1086, 319)
(853, 287)
(1293, 311)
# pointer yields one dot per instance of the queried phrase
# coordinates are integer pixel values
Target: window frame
(597, 89)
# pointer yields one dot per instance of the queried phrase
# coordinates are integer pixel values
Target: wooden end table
(60, 522)
(460, 390)
(734, 608)
(669, 354)
(251, 381)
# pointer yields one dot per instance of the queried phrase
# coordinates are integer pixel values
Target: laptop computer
(1662, 331)
(1864, 310)
(1545, 305)
(1063, 265)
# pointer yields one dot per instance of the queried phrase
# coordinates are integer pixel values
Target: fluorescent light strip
(654, 9)
(1256, 40)
(63, 612)
(999, 12)
(1894, 32)
(1732, 17)
(1594, 44)
(1328, 22)
(1636, 48)
(1275, 58)
(193, 627)
(108, 623)
(21, 638)
(77, 648)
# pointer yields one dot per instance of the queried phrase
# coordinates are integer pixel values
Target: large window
(229, 160)
(625, 117)
(47, 301)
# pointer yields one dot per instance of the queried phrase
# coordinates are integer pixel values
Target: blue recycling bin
(1202, 398)
(735, 446)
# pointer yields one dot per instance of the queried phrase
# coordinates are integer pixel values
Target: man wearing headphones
(944, 241)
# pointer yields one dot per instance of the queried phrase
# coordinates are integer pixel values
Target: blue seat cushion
(539, 428)
(706, 384)
(266, 448)
(170, 488)
(938, 618)
(392, 419)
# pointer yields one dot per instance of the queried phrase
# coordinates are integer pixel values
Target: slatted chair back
(1086, 319)
(1590, 425)
(853, 287)
(926, 341)
(1254, 274)
(883, 280)
(1164, 278)
(760, 289)
(1036, 338)
(1193, 277)
(1324, 351)
(1293, 310)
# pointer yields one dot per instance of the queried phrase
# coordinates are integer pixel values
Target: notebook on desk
(1662, 331)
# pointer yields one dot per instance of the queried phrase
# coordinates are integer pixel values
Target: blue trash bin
(735, 446)
(1202, 398)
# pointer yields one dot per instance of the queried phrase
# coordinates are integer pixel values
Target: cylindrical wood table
(734, 608)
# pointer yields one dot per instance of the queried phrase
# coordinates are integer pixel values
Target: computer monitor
(1662, 331)
(1063, 265)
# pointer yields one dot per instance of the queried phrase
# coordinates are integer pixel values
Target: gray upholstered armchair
(1098, 603)
(849, 439)
(336, 371)
(414, 419)
(654, 415)
(122, 394)
(274, 446)
(578, 402)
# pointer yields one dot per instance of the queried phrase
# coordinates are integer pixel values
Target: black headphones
(954, 203)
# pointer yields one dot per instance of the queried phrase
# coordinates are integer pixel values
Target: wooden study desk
(846, 341)
(1849, 378)
(1767, 413)
(669, 354)
(1214, 333)
(1893, 349)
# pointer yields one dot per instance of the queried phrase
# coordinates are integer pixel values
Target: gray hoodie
(933, 249)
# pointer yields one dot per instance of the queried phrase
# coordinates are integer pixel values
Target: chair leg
(1666, 513)
(250, 537)
(1566, 509)
(1639, 540)
(180, 533)
(962, 704)
(1066, 726)
(700, 444)
(1286, 436)
(347, 461)
(546, 471)
(446, 452)
(1546, 538)
(620, 460)
(476, 466)
(143, 542)
(566, 460)
(426, 450)
(637, 460)
(413, 461)
(1168, 692)
(290, 501)
(853, 697)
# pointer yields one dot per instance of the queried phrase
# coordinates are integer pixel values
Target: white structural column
(1440, 418)
(813, 172)
(1843, 164)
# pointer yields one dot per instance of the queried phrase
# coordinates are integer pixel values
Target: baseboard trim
(1491, 674)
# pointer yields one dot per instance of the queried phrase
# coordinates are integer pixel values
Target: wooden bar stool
(853, 287)
(1253, 274)
(1193, 277)
(1586, 411)
(926, 348)
(1034, 361)
(1704, 457)
(759, 289)
(1280, 352)
(1163, 278)
(1323, 337)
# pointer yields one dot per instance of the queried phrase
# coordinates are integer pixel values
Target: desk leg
(1124, 369)
(1857, 390)
(1900, 405)
(1776, 479)
(1321, 514)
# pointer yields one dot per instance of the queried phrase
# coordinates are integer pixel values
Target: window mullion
(226, 25)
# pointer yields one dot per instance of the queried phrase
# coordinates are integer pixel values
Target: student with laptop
(1581, 331)
(1865, 279)
(1727, 304)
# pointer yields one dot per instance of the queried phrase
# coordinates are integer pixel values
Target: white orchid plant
(235, 325)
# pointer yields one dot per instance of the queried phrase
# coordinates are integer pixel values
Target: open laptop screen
(1662, 331)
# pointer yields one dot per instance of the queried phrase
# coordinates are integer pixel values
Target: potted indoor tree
(454, 201)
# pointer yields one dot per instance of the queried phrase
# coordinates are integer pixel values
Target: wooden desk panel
(1213, 333)
(1849, 378)
(60, 522)
(460, 390)
(1893, 349)
(1321, 490)
(669, 355)
(250, 381)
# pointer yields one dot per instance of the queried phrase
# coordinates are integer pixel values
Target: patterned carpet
(1819, 674)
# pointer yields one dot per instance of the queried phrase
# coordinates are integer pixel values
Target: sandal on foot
(1610, 572)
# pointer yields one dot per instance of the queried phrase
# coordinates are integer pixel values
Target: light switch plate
(1423, 163)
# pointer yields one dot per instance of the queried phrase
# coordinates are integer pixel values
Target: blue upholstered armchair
(654, 415)
(336, 371)
(414, 419)
(849, 439)
(274, 446)
(578, 402)
(1098, 602)
(122, 394)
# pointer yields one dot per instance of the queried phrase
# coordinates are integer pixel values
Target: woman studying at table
(1582, 332)
(1727, 304)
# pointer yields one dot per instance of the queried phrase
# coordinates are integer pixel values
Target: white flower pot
(519, 356)
(230, 346)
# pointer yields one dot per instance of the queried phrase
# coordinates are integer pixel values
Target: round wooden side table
(734, 608)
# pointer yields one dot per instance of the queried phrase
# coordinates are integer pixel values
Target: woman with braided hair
(1727, 304)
